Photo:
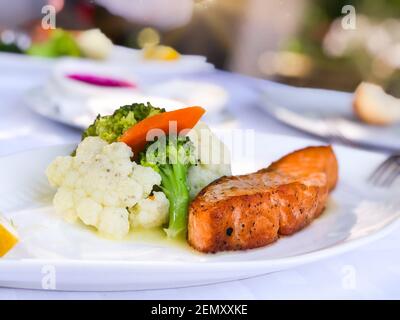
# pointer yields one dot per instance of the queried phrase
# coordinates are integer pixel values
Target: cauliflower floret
(201, 175)
(87, 148)
(150, 212)
(64, 202)
(57, 170)
(147, 176)
(99, 184)
(94, 44)
(89, 211)
(114, 222)
(213, 156)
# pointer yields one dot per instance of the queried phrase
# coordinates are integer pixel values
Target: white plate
(310, 110)
(59, 83)
(80, 260)
(80, 112)
(77, 104)
(133, 59)
(130, 59)
(210, 96)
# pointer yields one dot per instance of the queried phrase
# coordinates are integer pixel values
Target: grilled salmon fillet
(252, 210)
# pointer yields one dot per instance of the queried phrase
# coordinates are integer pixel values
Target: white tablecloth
(371, 272)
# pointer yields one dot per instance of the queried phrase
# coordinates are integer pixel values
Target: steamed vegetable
(102, 187)
(185, 118)
(172, 157)
(160, 52)
(213, 158)
(94, 44)
(111, 127)
(60, 43)
(90, 44)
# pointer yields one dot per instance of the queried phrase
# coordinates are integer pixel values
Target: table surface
(371, 272)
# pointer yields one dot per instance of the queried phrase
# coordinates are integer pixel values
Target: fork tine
(390, 179)
(376, 176)
(387, 174)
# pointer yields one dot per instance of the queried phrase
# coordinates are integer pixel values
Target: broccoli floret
(60, 43)
(171, 157)
(111, 127)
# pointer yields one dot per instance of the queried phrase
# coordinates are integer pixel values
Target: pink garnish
(101, 81)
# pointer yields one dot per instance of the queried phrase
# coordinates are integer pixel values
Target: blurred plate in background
(95, 78)
(210, 96)
(127, 58)
(80, 113)
(327, 114)
(97, 88)
(133, 58)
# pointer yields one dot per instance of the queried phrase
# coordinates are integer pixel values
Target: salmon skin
(252, 210)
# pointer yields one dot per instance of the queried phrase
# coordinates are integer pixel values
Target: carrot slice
(185, 118)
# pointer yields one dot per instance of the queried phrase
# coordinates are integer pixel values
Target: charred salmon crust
(250, 211)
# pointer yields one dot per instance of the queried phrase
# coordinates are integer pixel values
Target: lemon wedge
(8, 236)
(160, 52)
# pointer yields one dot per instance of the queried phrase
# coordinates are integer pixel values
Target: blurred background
(299, 42)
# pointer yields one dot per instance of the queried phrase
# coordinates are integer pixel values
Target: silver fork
(387, 172)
